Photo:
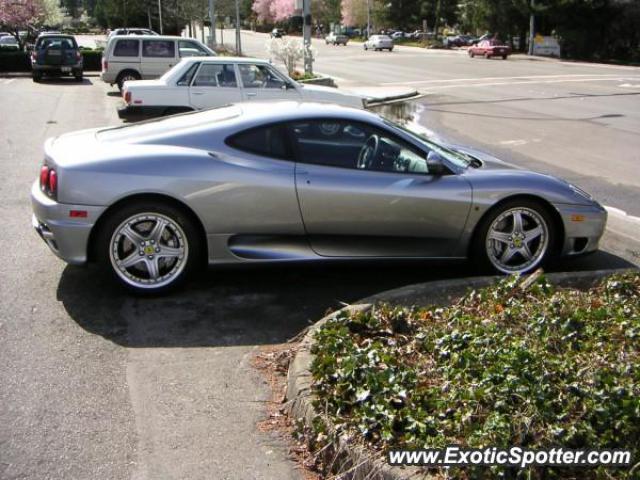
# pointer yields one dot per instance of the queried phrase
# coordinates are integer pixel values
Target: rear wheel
(487, 55)
(78, 76)
(516, 238)
(471, 54)
(36, 76)
(149, 247)
(504, 57)
(127, 76)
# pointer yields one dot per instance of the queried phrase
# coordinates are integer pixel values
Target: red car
(490, 48)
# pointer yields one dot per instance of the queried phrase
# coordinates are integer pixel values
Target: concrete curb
(345, 456)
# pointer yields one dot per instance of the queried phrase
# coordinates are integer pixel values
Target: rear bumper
(56, 68)
(583, 227)
(136, 112)
(67, 237)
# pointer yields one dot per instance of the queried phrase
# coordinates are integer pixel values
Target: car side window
(126, 48)
(269, 141)
(259, 76)
(355, 145)
(190, 49)
(216, 75)
(158, 48)
(185, 80)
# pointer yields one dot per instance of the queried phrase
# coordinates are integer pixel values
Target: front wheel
(149, 248)
(471, 54)
(516, 238)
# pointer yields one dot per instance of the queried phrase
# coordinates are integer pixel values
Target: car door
(356, 202)
(263, 82)
(158, 56)
(214, 84)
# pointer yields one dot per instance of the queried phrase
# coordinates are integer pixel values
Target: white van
(136, 57)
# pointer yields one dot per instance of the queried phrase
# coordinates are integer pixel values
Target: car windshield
(457, 158)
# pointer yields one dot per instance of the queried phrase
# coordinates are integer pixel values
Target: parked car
(56, 55)
(490, 48)
(277, 33)
(459, 41)
(9, 42)
(146, 56)
(398, 35)
(336, 39)
(131, 31)
(379, 42)
(280, 181)
(203, 82)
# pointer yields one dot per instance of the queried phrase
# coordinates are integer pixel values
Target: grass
(503, 367)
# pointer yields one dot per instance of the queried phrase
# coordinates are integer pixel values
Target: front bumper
(67, 237)
(583, 227)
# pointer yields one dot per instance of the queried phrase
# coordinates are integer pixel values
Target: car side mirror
(435, 164)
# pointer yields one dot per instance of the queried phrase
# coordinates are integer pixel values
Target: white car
(197, 83)
(379, 42)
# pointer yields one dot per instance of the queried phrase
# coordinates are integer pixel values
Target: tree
(16, 15)
(51, 13)
(354, 12)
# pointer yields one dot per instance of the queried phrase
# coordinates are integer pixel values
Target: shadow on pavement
(250, 305)
(70, 81)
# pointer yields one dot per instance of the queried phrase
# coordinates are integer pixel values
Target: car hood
(500, 177)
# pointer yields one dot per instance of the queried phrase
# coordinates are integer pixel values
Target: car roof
(220, 59)
(152, 37)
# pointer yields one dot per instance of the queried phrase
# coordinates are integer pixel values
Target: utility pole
(160, 14)
(532, 27)
(212, 19)
(238, 41)
(368, 19)
(306, 35)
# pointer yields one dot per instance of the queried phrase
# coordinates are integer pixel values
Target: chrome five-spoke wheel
(148, 250)
(517, 240)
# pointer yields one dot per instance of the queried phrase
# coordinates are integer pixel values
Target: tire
(125, 76)
(159, 261)
(504, 57)
(78, 76)
(499, 245)
(471, 54)
(487, 55)
(37, 77)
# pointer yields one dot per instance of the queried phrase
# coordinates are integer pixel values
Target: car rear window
(159, 48)
(126, 48)
(56, 42)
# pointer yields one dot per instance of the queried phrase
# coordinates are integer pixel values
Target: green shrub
(21, 62)
(502, 367)
(15, 62)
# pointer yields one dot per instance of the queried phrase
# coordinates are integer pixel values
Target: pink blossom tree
(16, 15)
(273, 10)
(354, 12)
(262, 8)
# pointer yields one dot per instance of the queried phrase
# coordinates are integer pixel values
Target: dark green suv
(56, 55)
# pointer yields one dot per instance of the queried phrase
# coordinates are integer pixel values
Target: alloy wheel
(148, 250)
(517, 240)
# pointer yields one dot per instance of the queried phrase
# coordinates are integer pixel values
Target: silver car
(286, 181)
(379, 42)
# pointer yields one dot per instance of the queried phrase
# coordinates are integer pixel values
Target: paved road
(99, 385)
(577, 120)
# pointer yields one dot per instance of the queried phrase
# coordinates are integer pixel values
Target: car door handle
(197, 93)
(249, 94)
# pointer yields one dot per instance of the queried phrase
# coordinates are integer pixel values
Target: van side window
(126, 48)
(159, 48)
(191, 49)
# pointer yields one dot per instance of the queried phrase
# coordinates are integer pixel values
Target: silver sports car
(283, 181)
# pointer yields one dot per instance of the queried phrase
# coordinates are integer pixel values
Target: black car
(277, 33)
(56, 55)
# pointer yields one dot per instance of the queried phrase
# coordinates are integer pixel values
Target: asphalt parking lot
(97, 384)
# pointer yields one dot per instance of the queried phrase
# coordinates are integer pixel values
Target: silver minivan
(136, 57)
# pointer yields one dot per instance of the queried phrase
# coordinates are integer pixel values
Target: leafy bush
(503, 367)
(21, 62)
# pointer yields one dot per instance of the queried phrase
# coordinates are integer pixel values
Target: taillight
(127, 97)
(105, 65)
(44, 177)
(53, 183)
(48, 181)
(78, 56)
